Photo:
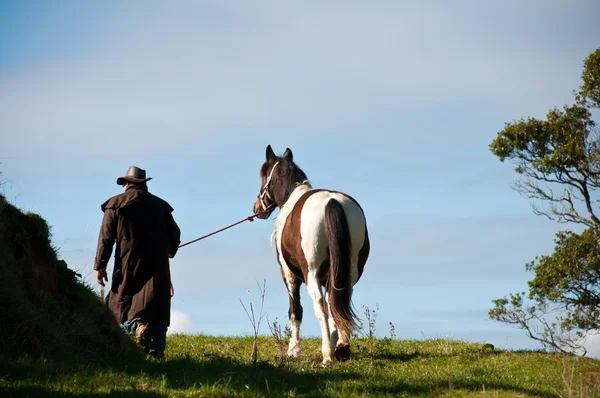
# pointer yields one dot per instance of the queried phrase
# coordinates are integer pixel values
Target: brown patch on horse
(291, 239)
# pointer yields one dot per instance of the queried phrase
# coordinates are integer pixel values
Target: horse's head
(279, 176)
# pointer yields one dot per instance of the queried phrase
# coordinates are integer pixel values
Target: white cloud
(592, 344)
(181, 323)
(265, 67)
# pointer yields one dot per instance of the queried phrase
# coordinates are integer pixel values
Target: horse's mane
(288, 177)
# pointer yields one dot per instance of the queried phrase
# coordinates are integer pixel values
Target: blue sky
(392, 102)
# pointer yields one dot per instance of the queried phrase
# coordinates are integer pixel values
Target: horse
(321, 239)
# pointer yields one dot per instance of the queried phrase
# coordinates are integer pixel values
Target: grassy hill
(57, 339)
(45, 310)
(218, 366)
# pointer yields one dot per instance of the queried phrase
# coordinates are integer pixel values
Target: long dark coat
(146, 235)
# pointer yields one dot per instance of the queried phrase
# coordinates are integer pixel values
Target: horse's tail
(339, 285)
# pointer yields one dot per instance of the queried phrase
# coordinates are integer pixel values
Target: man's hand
(101, 277)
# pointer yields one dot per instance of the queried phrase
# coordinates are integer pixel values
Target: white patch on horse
(312, 229)
(294, 345)
(314, 290)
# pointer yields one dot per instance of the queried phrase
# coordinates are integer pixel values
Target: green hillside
(59, 340)
(218, 366)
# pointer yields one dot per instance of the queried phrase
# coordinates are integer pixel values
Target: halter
(265, 190)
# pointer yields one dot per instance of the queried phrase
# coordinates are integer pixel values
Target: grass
(218, 366)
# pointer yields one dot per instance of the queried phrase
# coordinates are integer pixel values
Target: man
(146, 236)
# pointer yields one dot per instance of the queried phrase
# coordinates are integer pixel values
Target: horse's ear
(288, 155)
(270, 154)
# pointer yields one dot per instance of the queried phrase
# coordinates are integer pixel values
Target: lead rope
(249, 218)
(264, 192)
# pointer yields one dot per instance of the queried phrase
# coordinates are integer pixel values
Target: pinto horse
(322, 240)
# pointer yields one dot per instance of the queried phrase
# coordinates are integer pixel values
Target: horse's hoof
(294, 352)
(326, 363)
(342, 353)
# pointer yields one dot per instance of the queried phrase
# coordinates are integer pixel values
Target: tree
(558, 163)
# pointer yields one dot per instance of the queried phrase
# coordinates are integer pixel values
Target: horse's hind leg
(342, 347)
(341, 344)
(333, 331)
(295, 314)
(321, 311)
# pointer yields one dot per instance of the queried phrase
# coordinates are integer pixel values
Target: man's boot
(142, 335)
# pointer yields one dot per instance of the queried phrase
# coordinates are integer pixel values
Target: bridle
(264, 191)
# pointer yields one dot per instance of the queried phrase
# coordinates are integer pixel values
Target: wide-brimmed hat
(134, 174)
